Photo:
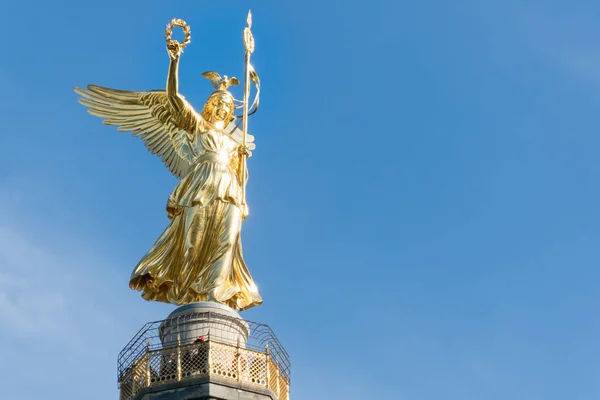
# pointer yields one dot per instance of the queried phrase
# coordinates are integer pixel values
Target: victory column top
(199, 255)
(204, 347)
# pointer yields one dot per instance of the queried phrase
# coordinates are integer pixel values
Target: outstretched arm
(184, 116)
(174, 49)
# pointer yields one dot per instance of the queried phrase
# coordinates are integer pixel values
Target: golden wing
(147, 115)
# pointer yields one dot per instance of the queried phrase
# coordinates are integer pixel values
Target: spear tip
(249, 19)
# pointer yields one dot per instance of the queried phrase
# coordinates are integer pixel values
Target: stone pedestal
(207, 319)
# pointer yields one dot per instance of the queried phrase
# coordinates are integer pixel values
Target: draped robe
(199, 255)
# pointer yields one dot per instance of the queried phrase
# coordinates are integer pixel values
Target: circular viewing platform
(204, 340)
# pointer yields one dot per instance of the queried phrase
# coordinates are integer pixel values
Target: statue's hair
(213, 98)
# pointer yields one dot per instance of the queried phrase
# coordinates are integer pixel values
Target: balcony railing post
(238, 361)
(178, 357)
(208, 354)
(148, 366)
(277, 379)
(131, 375)
(267, 362)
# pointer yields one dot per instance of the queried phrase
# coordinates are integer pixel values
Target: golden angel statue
(199, 255)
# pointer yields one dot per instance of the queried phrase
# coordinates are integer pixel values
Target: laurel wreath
(186, 31)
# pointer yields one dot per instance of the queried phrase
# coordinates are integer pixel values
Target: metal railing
(260, 361)
(209, 358)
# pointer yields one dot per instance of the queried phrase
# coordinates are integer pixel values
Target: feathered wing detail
(149, 116)
(213, 77)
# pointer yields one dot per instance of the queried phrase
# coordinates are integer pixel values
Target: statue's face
(218, 109)
(221, 110)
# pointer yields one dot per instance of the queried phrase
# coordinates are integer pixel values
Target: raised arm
(184, 116)
(174, 49)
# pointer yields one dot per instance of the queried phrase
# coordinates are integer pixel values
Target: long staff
(249, 46)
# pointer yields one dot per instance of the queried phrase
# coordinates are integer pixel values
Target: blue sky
(424, 194)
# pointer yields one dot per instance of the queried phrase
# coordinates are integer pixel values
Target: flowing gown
(199, 255)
